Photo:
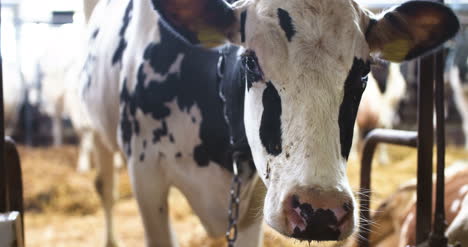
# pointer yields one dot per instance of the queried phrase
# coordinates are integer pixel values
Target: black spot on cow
(268, 171)
(117, 57)
(194, 120)
(327, 231)
(95, 33)
(125, 121)
(136, 126)
(142, 157)
(171, 138)
(129, 125)
(286, 23)
(243, 19)
(144, 143)
(270, 126)
(160, 132)
(353, 88)
(201, 155)
(178, 155)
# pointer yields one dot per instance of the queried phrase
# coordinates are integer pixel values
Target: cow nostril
(327, 216)
(318, 224)
(318, 215)
(307, 211)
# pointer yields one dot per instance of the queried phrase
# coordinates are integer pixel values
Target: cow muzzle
(316, 215)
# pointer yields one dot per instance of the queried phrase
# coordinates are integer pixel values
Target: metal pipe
(425, 143)
(397, 137)
(15, 181)
(438, 237)
(438, 233)
(3, 178)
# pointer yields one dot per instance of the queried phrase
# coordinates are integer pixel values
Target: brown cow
(394, 222)
(379, 105)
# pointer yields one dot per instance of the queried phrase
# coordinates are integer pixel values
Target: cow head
(305, 66)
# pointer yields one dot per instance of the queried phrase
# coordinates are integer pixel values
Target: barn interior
(62, 208)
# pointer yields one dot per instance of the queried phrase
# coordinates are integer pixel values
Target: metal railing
(430, 71)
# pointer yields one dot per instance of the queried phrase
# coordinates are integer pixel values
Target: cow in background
(457, 76)
(60, 65)
(386, 87)
(394, 221)
(58, 62)
(14, 89)
(14, 92)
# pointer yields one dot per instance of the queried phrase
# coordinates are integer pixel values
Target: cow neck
(230, 88)
(183, 42)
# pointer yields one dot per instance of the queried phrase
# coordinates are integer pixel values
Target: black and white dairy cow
(457, 76)
(281, 100)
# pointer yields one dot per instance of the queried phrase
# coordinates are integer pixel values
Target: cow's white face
(305, 63)
(297, 61)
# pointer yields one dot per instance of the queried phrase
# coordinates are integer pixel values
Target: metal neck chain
(233, 212)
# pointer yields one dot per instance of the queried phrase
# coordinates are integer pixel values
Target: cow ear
(411, 30)
(208, 22)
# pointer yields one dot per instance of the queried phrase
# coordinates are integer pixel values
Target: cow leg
(151, 190)
(57, 129)
(119, 161)
(384, 159)
(106, 184)
(85, 152)
(57, 125)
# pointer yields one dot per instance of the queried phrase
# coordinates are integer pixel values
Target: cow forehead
(308, 8)
(325, 34)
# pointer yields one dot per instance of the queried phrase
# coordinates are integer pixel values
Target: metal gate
(431, 85)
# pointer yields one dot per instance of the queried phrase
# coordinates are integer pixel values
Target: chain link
(233, 212)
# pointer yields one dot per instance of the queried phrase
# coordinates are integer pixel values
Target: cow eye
(250, 64)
